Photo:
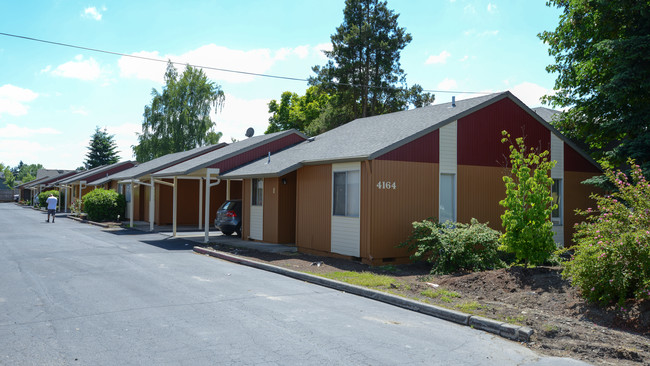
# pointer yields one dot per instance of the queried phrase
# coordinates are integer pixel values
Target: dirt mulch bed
(564, 324)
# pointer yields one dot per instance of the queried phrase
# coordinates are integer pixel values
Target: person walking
(51, 207)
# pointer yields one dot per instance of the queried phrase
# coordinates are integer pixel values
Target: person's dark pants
(50, 212)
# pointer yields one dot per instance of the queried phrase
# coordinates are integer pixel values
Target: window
(257, 188)
(556, 193)
(447, 197)
(346, 193)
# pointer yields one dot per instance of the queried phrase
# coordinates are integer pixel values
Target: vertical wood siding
(257, 153)
(480, 189)
(424, 149)
(576, 163)
(387, 214)
(479, 134)
(313, 208)
(271, 202)
(287, 209)
(576, 196)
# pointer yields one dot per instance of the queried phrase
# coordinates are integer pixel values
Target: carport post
(208, 185)
(227, 189)
(151, 204)
(131, 206)
(200, 202)
(175, 205)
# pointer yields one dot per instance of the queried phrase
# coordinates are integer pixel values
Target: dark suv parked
(229, 217)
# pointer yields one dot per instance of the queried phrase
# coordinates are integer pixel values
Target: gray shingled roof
(371, 137)
(205, 160)
(364, 138)
(86, 173)
(546, 113)
(157, 164)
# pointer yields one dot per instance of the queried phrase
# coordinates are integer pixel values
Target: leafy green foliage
(528, 204)
(178, 119)
(103, 205)
(611, 262)
(102, 150)
(452, 247)
(295, 111)
(25, 172)
(42, 197)
(10, 179)
(602, 63)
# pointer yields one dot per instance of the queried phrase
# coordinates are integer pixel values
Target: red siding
(257, 153)
(574, 162)
(479, 134)
(422, 150)
(106, 173)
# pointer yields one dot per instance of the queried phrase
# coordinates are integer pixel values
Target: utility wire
(219, 69)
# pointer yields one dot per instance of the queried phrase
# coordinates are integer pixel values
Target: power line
(217, 68)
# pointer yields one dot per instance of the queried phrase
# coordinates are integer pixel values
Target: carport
(210, 167)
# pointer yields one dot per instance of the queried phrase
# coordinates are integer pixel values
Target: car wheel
(227, 232)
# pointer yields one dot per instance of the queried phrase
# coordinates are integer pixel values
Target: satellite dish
(250, 131)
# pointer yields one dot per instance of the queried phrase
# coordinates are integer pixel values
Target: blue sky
(53, 97)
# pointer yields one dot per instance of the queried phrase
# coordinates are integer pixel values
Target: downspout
(151, 204)
(200, 203)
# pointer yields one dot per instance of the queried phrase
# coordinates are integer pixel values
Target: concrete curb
(506, 330)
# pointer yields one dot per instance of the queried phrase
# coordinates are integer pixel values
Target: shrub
(103, 205)
(529, 204)
(42, 197)
(611, 262)
(452, 247)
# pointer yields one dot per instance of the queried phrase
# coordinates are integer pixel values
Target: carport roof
(203, 161)
(152, 166)
(87, 173)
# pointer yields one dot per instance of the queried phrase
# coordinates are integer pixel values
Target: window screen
(346, 195)
(257, 192)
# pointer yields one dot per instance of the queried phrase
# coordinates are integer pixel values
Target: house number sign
(386, 185)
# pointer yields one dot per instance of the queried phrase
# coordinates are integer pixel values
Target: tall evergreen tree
(178, 119)
(602, 62)
(102, 150)
(364, 73)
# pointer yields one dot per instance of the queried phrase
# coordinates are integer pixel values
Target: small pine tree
(102, 150)
(528, 203)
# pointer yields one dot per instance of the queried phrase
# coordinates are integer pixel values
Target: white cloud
(93, 13)
(125, 135)
(469, 9)
(319, 48)
(464, 58)
(240, 114)
(143, 69)
(438, 59)
(80, 68)
(13, 100)
(14, 131)
(530, 93)
(13, 151)
(447, 84)
(78, 110)
(491, 8)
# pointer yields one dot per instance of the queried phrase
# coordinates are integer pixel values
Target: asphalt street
(77, 294)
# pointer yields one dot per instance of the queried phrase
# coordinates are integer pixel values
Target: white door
(256, 227)
(346, 226)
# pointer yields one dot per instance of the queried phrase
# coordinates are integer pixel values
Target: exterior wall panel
(271, 203)
(576, 196)
(245, 208)
(388, 213)
(479, 134)
(314, 208)
(480, 189)
(576, 163)
(287, 209)
(257, 153)
(424, 149)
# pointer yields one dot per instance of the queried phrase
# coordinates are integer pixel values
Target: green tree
(528, 203)
(10, 179)
(364, 71)
(178, 118)
(295, 111)
(102, 150)
(26, 172)
(602, 62)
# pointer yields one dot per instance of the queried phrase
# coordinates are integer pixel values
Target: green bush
(611, 262)
(453, 247)
(528, 204)
(42, 197)
(103, 205)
